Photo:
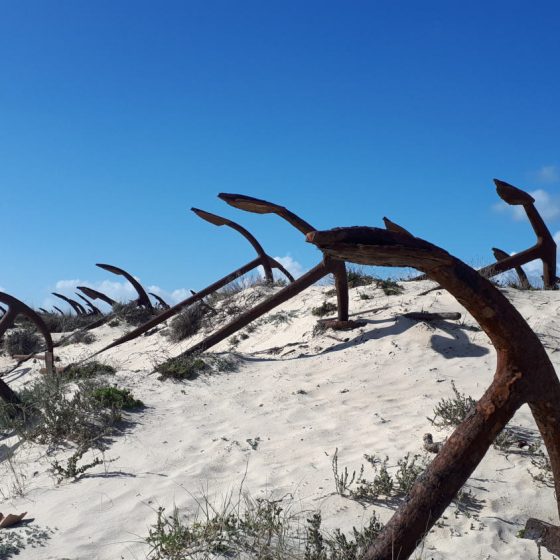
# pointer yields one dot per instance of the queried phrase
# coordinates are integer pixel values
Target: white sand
(363, 391)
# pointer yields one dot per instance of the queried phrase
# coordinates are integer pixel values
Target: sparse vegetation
(72, 470)
(81, 337)
(88, 370)
(133, 314)
(55, 413)
(383, 484)
(22, 341)
(357, 277)
(113, 397)
(390, 287)
(187, 322)
(451, 412)
(190, 367)
(260, 529)
(324, 309)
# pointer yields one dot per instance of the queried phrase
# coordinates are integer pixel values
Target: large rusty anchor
(327, 266)
(95, 294)
(268, 263)
(143, 299)
(544, 249)
(262, 259)
(76, 306)
(15, 308)
(524, 374)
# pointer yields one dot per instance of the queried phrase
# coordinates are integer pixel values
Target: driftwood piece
(524, 374)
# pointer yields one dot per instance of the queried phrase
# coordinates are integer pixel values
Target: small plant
(54, 414)
(182, 367)
(390, 287)
(190, 367)
(544, 474)
(81, 337)
(341, 482)
(114, 323)
(451, 412)
(22, 341)
(357, 277)
(279, 318)
(72, 470)
(324, 309)
(88, 370)
(383, 484)
(407, 472)
(113, 397)
(187, 322)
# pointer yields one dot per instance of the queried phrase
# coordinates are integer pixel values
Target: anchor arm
(143, 298)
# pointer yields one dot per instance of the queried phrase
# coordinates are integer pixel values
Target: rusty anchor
(262, 260)
(93, 309)
(544, 249)
(327, 266)
(524, 374)
(77, 307)
(15, 308)
(268, 263)
(143, 299)
(161, 302)
(94, 294)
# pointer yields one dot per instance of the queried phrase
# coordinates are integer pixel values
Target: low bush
(324, 309)
(88, 370)
(113, 397)
(55, 413)
(22, 341)
(451, 412)
(133, 314)
(357, 277)
(190, 367)
(187, 322)
(262, 529)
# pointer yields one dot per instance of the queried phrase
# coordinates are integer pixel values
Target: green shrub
(133, 314)
(451, 412)
(54, 413)
(357, 277)
(390, 287)
(113, 397)
(324, 309)
(22, 341)
(88, 370)
(187, 322)
(190, 367)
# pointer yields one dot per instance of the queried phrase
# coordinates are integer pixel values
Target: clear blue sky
(117, 116)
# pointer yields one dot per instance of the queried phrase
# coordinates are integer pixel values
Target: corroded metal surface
(77, 307)
(524, 374)
(545, 247)
(161, 302)
(523, 280)
(327, 266)
(268, 263)
(95, 294)
(143, 299)
(17, 307)
(93, 309)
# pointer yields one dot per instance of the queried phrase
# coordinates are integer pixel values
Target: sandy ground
(275, 423)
